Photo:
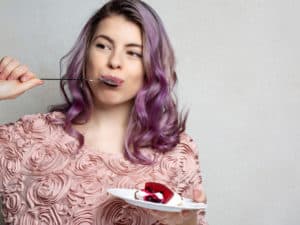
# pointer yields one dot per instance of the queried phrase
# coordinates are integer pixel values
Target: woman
(120, 128)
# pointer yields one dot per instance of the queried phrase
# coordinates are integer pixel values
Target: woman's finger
(199, 196)
(8, 68)
(28, 76)
(30, 84)
(4, 62)
(173, 218)
(17, 72)
(188, 213)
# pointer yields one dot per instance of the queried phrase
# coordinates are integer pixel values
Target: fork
(69, 79)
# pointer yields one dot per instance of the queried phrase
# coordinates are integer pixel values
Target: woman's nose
(114, 60)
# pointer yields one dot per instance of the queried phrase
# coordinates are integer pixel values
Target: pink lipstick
(111, 80)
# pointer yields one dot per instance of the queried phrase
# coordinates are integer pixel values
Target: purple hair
(154, 121)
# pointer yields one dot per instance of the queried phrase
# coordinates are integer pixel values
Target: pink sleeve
(191, 176)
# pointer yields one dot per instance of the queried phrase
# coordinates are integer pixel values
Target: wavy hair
(154, 121)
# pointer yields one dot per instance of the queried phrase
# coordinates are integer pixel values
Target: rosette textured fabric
(44, 179)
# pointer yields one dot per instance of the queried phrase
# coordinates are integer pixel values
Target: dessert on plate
(158, 193)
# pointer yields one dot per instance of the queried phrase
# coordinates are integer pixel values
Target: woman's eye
(102, 46)
(135, 54)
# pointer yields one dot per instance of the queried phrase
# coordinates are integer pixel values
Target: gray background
(238, 74)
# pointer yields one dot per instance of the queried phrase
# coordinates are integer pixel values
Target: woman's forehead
(118, 28)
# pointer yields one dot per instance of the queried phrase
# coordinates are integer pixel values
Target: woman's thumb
(30, 84)
(199, 196)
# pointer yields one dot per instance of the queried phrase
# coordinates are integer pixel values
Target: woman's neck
(110, 117)
(106, 128)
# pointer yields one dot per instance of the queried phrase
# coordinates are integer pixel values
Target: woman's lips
(111, 80)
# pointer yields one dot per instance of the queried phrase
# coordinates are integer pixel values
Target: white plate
(128, 196)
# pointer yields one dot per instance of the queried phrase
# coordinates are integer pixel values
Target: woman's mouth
(111, 81)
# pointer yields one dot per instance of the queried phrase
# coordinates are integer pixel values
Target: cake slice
(159, 193)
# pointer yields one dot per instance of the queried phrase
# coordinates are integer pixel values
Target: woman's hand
(15, 78)
(186, 217)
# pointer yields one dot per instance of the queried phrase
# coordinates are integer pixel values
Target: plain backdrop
(238, 68)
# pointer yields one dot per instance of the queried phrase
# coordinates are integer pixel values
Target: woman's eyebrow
(105, 37)
(134, 45)
(109, 39)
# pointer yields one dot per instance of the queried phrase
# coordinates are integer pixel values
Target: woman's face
(115, 56)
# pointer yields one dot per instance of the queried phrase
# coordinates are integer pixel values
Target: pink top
(44, 181)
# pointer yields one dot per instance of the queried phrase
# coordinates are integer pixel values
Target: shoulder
(187, 154)
(187, 140)
(184, 156)
(187, 147)
(30, 123)
(180, 167)
(50, 117)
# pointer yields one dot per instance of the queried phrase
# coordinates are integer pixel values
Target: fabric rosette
(88, 164)
(41, 160)
(35, 127)
(41, 215)
(117, 212)
(81, 217)
(89, 192)
(48, 190)
(13, 205)
(9, 160)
